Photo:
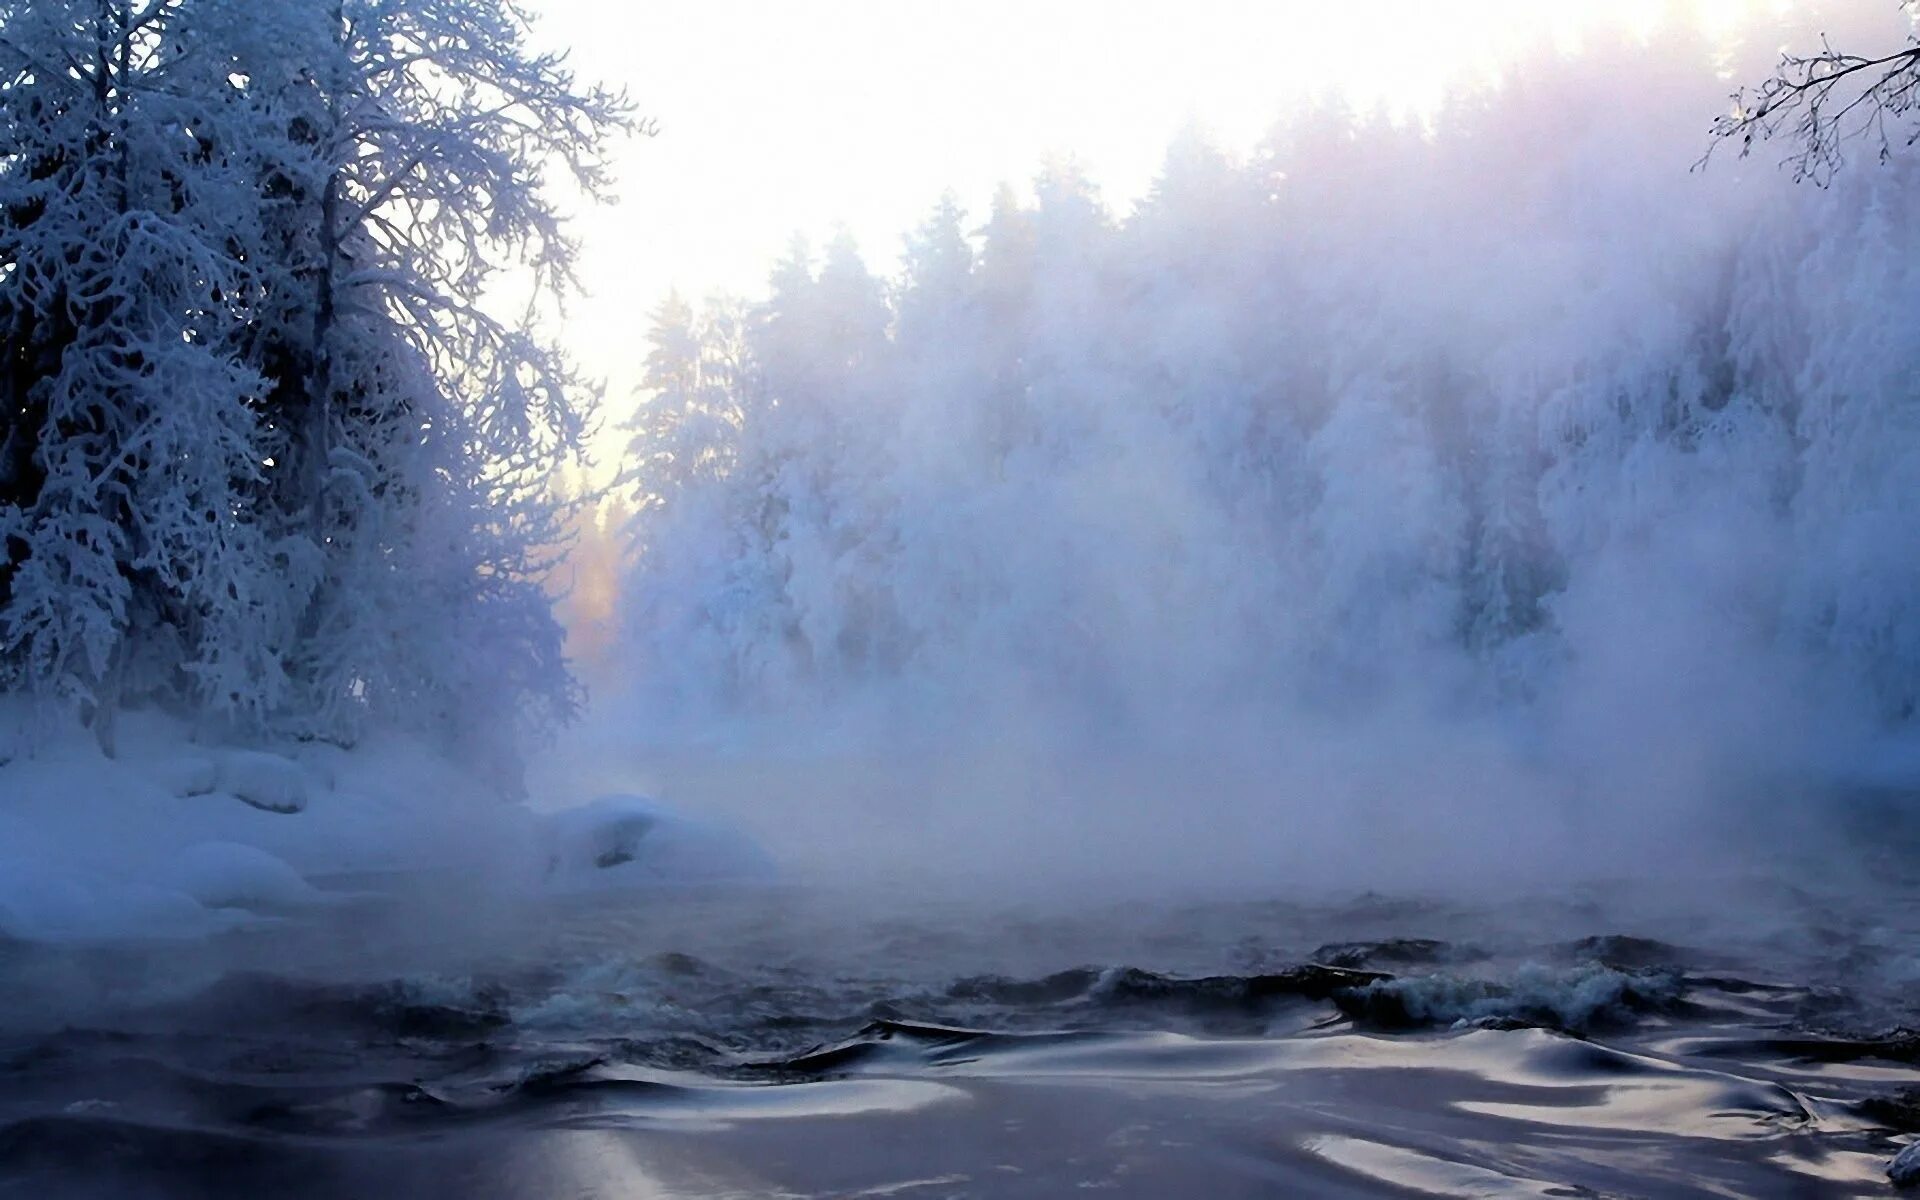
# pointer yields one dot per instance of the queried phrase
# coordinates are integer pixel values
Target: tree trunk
(320, 408)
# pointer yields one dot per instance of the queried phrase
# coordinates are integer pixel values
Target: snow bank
(174, 839)
(58, 902)
(232, 875)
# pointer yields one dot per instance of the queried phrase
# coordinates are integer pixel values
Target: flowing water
(789, 1041)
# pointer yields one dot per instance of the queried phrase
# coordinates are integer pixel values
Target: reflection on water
(786, 1043)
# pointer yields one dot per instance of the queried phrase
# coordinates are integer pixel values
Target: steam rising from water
(1393, 505)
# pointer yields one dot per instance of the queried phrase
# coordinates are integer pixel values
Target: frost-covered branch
(1822, 102)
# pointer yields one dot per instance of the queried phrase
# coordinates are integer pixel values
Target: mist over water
(1388, 665)
(1500, 499)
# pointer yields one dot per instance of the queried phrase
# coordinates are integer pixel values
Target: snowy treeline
(264, 454)
(1467, 413)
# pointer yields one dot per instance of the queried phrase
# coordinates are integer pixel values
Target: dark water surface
(789, 1042)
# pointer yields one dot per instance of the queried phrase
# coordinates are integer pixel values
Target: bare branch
(1821, 103)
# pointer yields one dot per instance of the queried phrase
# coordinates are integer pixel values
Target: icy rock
(632, 839)
(1904, 1170)
(266, 781)
(1573, 1000)
(230, 875)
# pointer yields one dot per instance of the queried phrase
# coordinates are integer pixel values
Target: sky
(776, 118)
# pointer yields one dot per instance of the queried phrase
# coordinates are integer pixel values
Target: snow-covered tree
(133, 560)
(1371, 415)
(269, 455)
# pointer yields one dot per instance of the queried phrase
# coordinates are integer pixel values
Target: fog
(1495, 500)
(1388, 662)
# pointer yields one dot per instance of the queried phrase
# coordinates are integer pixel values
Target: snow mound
(626, 840)
(43, 903)
(231, 875)
(187, 774)
(266, 781)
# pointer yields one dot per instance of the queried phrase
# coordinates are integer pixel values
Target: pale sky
(783, 117)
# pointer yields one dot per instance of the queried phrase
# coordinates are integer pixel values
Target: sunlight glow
(800, 117)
